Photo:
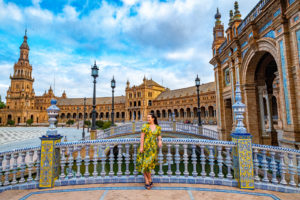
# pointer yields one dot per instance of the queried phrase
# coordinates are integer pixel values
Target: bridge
(171, 129)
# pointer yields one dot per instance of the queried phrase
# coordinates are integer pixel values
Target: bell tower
(20, 94)
(218, 33)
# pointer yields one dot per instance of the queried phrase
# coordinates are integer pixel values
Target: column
(261, 108)
(50, 155)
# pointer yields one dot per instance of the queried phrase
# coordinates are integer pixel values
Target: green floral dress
(147, 160)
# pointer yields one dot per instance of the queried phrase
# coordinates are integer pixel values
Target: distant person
(147, 155)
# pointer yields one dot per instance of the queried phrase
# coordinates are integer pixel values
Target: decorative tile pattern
(269, 23)
(270, 34)
(50, 157)
(277, 12)
(227, 76)
(244, 44)
(298, 42)
(285, 89)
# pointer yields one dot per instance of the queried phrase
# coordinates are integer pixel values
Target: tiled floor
(136, 191)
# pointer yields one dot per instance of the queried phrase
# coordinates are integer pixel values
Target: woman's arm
(159, 142)
(142, 142)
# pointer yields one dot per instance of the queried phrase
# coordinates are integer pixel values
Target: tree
(29, 121)
(2, 104)
(11, 122)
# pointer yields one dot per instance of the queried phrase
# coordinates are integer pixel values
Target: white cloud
(169, 41)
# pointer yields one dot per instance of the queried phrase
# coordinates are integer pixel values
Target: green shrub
(99, 123)
(11, 122)
(29, 121)
(70, 121)
(106, 125)
(87, 123)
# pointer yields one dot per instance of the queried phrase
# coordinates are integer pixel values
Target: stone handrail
(194, 161)
(166, 126)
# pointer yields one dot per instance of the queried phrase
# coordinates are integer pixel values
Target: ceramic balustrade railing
(166, 126)
(187, 156)
(276, 165)
(17, 166)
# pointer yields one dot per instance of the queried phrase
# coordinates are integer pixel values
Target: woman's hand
(159, 143)
(141, 149)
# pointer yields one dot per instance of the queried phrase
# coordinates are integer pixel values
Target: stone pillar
(50, 155)
(272, 132)
(133, 127)
(261, 108)
(242, 153)
(93, 134)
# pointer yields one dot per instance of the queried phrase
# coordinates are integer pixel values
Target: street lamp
(94, 75)
(84, 110)
(197, 81)
(113, 85)
(77, 117)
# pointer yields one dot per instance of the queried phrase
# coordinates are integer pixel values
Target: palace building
(262, 53)
(149, 96)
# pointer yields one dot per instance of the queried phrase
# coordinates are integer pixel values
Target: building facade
(262, 53)
(149, 96)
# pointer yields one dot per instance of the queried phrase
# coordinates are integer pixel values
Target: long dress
(147, 160)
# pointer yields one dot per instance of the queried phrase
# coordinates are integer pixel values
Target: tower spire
(237, 14)
(218, 17)
(230, 18)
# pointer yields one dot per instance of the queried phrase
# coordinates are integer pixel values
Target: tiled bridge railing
(195, 161)
(166, 126)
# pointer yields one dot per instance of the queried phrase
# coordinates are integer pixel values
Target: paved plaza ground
(136, 191)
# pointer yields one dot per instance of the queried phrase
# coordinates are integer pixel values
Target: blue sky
(166, 40)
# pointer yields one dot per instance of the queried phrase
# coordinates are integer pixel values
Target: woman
(147, 155)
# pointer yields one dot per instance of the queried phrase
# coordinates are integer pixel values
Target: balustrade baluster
(185, 160)
(15, 167)
(256, 164)
(273, 167)
(62, 163)
(103, 160)
(282, 169)
(160, 162)
(211, 161)
(127, 159)
(202, 158)
(177, 159)
(38, 162)
(169, 158)
(22, 167)
(87, 160)
(111, 160)
(220, 162)
(292, 170)
(298, 169)
(264, 165)
(1, 169)
(7, 169)
(194, 160)
(70, 162)
(95, 161)
(120, 159)
(78, 161)
(30, 166)
(135, 172)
